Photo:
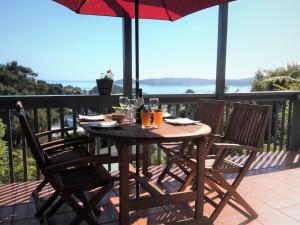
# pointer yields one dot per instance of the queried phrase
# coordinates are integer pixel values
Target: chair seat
(83, 178)
(66, 155)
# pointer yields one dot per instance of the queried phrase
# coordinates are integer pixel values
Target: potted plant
(105, 83)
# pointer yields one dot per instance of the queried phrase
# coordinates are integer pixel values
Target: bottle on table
(140, 106)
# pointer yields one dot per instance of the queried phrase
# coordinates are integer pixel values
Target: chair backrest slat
(211, 113)
(247, 124)
(30, 137)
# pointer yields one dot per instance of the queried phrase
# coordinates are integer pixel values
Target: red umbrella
(140, 9)
(148, 9)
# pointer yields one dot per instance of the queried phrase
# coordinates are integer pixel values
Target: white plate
(104, 124)
(181, 121)
(91, 118)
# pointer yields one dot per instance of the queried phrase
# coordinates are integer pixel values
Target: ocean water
(164, 89)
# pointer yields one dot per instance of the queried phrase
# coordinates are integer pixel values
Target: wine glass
(132, 103)
(153, 102)
(123, 101)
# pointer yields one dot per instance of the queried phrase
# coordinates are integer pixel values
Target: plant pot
(104, 86)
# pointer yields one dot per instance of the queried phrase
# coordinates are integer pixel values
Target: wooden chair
(69, 179)
(58, 150)
(244, 134)
(209, 112)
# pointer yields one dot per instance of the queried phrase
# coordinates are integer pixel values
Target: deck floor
(273, 191)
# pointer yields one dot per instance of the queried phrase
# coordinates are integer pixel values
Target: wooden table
(127, 135)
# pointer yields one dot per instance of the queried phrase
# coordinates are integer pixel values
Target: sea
(162, 89)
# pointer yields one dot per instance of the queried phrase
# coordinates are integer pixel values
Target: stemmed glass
(132, 106)
(123, 101)
(153, 102)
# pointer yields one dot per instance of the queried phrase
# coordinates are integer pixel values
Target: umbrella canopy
(148, 9)
(140, 9)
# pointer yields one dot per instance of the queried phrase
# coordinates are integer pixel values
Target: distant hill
(189, 81)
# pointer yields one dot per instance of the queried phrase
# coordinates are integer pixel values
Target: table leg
(92, 145)
(123, 151)
(146, 160)
(200, 179)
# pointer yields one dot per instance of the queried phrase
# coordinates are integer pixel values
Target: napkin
(182, 121)
(91, 118)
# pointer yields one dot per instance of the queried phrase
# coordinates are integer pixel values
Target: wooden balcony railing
(47, 111)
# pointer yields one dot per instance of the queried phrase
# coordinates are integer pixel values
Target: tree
(189, 91)
(3, 155)
(278, 79)
(20, 80)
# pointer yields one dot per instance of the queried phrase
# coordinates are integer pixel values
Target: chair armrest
(99, 159)
(48, 132)
(216, 136)
(66, 142)
(237, 147)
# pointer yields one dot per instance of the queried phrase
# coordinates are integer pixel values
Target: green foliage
(154, 156)
(20, 80)
(278, 79)
(107, 75)
(17, 161)
(3, 155)
(189, 91)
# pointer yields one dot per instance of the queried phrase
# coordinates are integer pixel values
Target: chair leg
(46, 205)
(54, 208)
(166, 170)
(187, 182)
(231, 192)
(82, 213)
(91, 205)
(41, 185)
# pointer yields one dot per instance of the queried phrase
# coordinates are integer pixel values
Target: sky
(59, 44)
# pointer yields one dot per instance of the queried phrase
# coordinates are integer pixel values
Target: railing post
(295, 132)
(221, 55)
(10, 146)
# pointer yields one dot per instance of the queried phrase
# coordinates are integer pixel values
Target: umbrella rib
(79, 7)
(167, 12)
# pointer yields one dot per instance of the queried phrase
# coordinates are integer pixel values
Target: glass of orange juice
(146, 118)
(157, 118)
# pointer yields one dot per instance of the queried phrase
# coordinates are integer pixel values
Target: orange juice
(157, 118)
(146, 118)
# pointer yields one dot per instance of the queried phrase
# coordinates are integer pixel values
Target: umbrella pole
(137, 55)
(137, 86)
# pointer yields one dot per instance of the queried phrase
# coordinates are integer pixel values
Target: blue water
(149, 89)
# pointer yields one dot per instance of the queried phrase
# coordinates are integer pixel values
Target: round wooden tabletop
(166, 133)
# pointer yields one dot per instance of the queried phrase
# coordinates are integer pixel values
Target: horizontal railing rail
(47, 111)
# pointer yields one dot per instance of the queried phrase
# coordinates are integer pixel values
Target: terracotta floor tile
(274, 199)
(276, 218)
(64, 208)
(24, 190)
(6, 213)
(65, 218)
(263, 192)
(229, 212)
(184, 214)
(292, 211)
(248, 187)
(240, 221)
(161, 218)
(8, 194)
(290, 192)
(257, 205)
(108, 214)
(26, 222)
(24, 211)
